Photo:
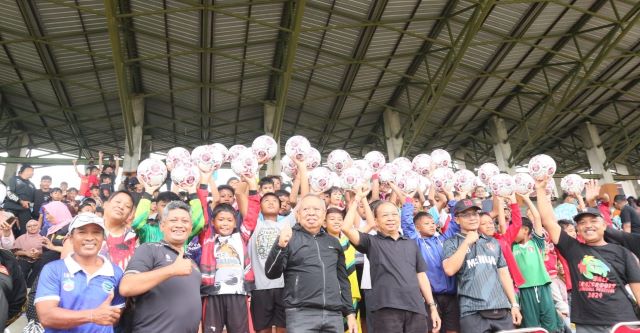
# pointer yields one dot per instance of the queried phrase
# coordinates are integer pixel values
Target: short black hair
(565, 223)
(265, 181)
(104, 176)
(232, 179)
(421, 215)
(167, 196)
(94, 187)
(270, 194)
(526, 222)
(334, 189)
(276, 177)
(71, 189)
(334, 210)
(24, 167)
(114, 194)
(45, 177)
(56, 189)
(228, 188)
(282, 193)
(223, 207)
(91, 168)
(619, 197)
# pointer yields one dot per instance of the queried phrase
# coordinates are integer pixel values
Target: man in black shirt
(599, 270)
(42, 196)
(22, 198)
(629, 217)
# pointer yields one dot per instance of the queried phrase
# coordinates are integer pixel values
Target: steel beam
(287, 67)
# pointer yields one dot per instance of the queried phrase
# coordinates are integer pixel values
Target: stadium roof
(70, 69)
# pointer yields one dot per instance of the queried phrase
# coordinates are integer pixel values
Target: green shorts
(538, 310)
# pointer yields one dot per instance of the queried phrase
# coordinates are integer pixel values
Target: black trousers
(399, 321)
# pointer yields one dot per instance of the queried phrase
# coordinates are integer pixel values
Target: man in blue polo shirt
(80, 292)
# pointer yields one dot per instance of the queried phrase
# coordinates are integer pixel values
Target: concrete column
(391, 130)
(18, 148)
(132, 157)
(595, 152)
(628, 185)
(273, 166)
(501, 146)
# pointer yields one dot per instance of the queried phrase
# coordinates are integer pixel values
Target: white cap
(83, 219)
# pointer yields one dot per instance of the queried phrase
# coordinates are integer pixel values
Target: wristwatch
(434, 304)
(515, 305)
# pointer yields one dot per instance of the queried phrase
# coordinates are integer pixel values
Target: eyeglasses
(469, 214)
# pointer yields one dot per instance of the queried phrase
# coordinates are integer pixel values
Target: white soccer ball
(222, 149)
(524, 183)
(234, 151)
(441, 158)
(176, 156)
(350, 178)
(572, 183)
(320, 179)
(245, 164)
(207, 158)
(376, 160)
(288, 167)
(402, 164)
(339, 160)
(464, 181)
(185, 175)
(388, 173)
(297, 147)
(313, 159)
(443, 179)
(541, 165)
(502, 185)
(408, 181)
(487, 171)
(365, 169)
(264, 146)
(152, 172)
(424, 185)
(422, 164)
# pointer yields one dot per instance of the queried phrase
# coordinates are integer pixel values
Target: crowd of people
(252, 256)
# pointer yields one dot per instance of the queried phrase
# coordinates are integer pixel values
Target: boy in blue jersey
(80, 292)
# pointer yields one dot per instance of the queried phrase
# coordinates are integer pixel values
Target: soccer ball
(376, 160)
(313, 159)
(402, 164)
(365, 169)
(234, 151)
(422, 164)
(388, 173)
(264, 146)
(502, 185)
(245, 164)
(288, 167)
(176, 156)
(152, 172)
(408, 180)
(487, 171)
(524, 183)
(464, 181)
(572, 183)
(320, 179)
(443, 179)
(541, 165)
(350, 178)
(185, 175)
(207, 158)
(339, 160)
(222, 149)
(297, 147)
(441, 158)
(424, 185)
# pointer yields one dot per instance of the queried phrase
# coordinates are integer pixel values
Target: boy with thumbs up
(80, 293)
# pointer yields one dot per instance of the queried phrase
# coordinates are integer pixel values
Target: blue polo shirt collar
(74, 267)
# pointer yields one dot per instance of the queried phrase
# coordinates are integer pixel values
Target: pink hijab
(60, 213)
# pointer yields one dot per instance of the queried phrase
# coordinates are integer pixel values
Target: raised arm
(375, 187)
(253, 210)
(502, 220)
(213, 187)
(347, 226)
(242, 198)
(537, 221)
(516, 220)
(549, 221)
(143, 209)
(75, 167)
(100, 160)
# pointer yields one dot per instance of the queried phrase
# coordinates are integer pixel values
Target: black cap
(463, 205)
(590, 211)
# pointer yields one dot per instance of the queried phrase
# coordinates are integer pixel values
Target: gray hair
(175, 205)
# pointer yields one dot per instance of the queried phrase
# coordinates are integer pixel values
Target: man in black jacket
(317, 290)
(20, 201)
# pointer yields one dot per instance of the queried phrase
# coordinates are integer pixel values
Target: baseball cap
(83, 219)
(463, 205)
(590, 211)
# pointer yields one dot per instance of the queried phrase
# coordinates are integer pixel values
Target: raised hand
(182, 266)
(592, 190)
(472, 237)
(105, 314)
(285, 236)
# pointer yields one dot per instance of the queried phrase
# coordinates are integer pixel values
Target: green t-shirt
(530, 259)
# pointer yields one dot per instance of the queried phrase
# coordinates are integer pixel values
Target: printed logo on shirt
(597, 272)
(167, 258)
(481, 260)
(67, 282)
(107, 287)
